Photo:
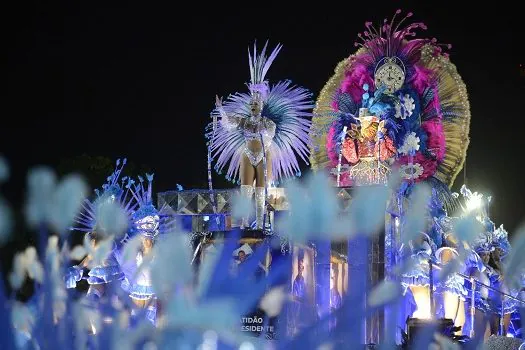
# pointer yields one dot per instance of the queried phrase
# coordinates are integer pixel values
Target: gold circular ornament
(390, 73)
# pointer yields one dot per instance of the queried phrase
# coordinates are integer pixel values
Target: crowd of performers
(398, 103)
(479, 261)
(257, 138)
(482, 259)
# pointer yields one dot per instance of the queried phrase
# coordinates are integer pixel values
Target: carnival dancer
(500, 305)
(88, 221)
(492, 246)
(103, 276)
(260, 132)
(299, 297)
(478, 267)
(417, 278)
(146, 224)
(452, 288)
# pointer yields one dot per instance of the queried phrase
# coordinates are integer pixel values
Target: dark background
(138, 81)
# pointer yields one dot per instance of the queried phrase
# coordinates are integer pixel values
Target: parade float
(391, 123)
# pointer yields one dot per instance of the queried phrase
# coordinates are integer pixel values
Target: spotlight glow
(474, 202)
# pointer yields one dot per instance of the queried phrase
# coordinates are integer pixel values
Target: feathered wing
(288, 106)
(227, 144)
(323, 118)
(455, 113)
(86, 220)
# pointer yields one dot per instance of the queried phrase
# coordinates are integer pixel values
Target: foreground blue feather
(204, 308)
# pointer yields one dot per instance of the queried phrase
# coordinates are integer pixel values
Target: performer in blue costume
(499, 304)
(451, 291)
(100, 276)
(146, 224)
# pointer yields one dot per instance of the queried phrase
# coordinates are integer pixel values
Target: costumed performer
(88, 221)
(452, 288)
(501, 305)
(260, 132)
(146, 224)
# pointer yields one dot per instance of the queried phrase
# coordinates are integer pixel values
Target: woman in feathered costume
(260, 132)
(479, 267)
(417, 278)
(499, 304)
(452, 288)
(145, 224)
(489, 248)
(89, 221)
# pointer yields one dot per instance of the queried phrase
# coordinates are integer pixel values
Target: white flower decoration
(408, 105)
(405, 107)
(411, 171)
(411, 144)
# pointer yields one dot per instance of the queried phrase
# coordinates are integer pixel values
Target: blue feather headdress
(146, 220)
(112, 191)
(501, 240)
(483, 243)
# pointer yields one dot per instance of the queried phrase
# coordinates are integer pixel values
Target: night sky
(118, 80)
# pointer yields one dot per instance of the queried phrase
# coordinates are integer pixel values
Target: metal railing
(474, 283)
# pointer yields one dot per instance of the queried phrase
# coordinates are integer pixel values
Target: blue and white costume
(146, 224)
(87, 221)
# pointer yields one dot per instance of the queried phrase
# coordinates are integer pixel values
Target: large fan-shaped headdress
(259, 65)
(285, 104)
(423, 102)
(111, 191)
(146, 220)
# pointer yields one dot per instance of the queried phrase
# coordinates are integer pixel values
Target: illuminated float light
(474, 202)
(454, 309)
(421, 296)
(422, 312)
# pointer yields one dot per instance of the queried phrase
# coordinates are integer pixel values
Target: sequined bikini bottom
(254, 157)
